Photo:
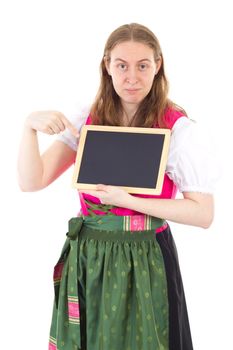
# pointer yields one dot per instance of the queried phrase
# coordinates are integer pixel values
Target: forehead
(131, 50)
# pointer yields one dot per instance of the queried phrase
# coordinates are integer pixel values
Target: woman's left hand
(111, 195)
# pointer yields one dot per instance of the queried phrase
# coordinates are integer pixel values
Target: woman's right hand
(50, 122)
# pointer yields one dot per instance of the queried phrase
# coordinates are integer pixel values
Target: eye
(122, 66)
(143, 66)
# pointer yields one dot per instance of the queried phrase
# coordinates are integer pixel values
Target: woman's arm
(37, 171)
(195, 209)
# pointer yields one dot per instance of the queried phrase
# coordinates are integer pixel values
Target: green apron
(110, 286)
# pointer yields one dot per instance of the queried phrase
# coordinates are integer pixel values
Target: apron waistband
(123, 223)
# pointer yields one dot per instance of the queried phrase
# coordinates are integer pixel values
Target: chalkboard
(130, 157)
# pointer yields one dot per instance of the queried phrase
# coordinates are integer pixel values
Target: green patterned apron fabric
(110, 286)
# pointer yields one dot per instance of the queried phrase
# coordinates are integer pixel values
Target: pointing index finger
(74, 131)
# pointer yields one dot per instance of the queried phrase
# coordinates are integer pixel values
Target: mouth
(132, 91)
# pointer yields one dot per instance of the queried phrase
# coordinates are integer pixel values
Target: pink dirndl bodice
(169, 189)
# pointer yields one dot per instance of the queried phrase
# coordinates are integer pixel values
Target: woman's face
(132, 67)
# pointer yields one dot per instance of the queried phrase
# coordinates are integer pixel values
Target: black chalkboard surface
(131, 157)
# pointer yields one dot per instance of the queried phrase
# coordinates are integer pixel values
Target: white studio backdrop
(50, 55)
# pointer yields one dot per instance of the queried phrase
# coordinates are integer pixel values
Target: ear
(107, 64)
(158, 65)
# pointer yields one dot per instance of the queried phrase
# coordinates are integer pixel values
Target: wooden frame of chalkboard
(133, 158)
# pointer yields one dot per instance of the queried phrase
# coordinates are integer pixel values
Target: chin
(133, 99)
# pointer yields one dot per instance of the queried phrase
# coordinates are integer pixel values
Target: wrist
(27, 125)
(129, 202)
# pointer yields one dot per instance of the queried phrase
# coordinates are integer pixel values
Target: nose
(132, 76)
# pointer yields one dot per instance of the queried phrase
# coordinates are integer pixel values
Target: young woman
(117, 282)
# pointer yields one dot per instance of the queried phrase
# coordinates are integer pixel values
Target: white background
(50, 54)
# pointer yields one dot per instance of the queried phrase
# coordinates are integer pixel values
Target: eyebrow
(142, 60)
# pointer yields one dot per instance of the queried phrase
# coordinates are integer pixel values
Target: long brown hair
(107, 108)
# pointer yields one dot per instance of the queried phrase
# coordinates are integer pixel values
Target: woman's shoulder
(172, 115)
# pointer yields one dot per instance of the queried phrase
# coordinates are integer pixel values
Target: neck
(129, 112)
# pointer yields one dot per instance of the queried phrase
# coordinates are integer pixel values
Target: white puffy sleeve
(78, 119)
(192, 164)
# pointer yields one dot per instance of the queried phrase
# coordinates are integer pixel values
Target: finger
(48, 130)
(55, 127)
(60, 124)
(74, 131)
(101, 187)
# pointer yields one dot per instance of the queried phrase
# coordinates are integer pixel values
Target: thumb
(101, 187)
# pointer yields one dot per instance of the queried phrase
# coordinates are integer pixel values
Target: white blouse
(191, 161)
